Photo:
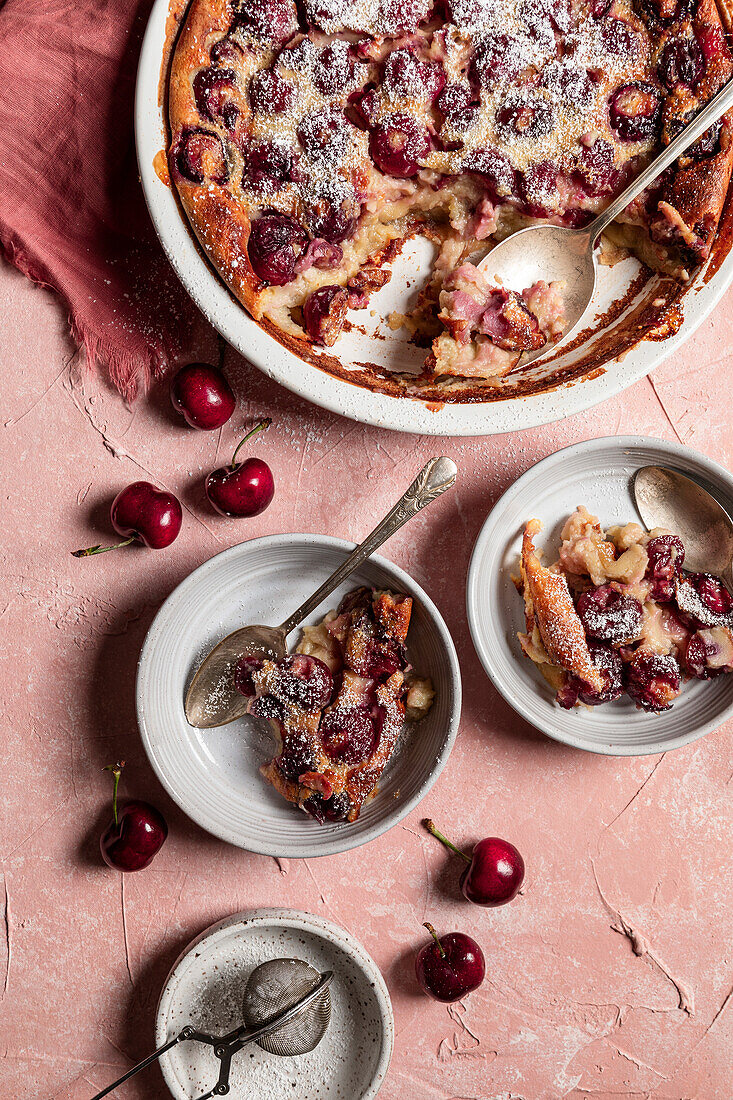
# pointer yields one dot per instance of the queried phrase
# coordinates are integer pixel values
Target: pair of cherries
(142, 512)
(451, 966)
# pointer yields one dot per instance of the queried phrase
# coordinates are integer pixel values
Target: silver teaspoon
(212, 699)
(668, 499)
(553, 252)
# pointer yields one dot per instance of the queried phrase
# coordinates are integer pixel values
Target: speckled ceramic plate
(598, 474)
(389, 350)
(206, 986)
(213, 774)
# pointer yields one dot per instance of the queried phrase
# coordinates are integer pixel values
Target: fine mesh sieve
(275, 986)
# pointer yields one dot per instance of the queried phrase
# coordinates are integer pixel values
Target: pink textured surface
(621, 854)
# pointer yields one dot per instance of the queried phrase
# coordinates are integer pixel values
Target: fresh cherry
(242, 488)
(450, 967)
(136, 833)
(142, 512)
(495, 870)
(203, 396)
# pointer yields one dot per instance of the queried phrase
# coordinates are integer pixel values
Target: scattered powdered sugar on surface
(210, 994)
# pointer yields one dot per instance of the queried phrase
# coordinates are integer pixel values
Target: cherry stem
(434, 934)
(101, 549)
(116, 770)
(263, 424)
(430, 826)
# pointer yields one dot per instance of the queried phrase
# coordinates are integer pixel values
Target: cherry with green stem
(242, 488)
(450, 966)
(494, 872)
(136, 833)
(142, 512)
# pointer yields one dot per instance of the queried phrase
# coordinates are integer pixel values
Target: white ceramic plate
(213, 774)
(598, 474)
(390, 349)
(206, 986)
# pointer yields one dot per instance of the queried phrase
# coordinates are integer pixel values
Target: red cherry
(203, 396)
(242, 488)
(135, 834)
(450, 967)
(495, 870)
(143, 512)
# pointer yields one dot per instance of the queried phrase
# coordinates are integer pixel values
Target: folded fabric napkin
(72, 212)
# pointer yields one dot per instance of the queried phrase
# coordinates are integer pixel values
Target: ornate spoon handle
(436, 476)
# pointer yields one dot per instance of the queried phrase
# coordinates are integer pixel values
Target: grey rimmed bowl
(597, 473)
(213, 775)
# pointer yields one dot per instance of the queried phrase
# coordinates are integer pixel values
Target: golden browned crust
(220, 221)
(549, 606)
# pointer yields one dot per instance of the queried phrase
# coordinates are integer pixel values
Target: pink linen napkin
(72, 212)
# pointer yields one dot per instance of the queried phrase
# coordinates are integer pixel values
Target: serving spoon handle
(438, 475)
(710, 113)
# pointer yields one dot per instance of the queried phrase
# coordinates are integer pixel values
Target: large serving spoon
(212, 699)
(553, 252)
(666, 498)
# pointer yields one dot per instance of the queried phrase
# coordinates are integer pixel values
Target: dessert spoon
(554, 252)
(212, 700)
(666, 498)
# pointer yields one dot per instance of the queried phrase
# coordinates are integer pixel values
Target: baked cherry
(609, 615)
(335, 68)
(617, 37)
(325, 135)
(242, 488)
(364, 106)
(634, 111)
(450, 967)
(273, 21)
(142, 513)
(297, 758)
(212, 90)
(709, 653)
(348, 734)
(226, 52)
(652, 680)
(538, 188)
(682, 62)
(596, 169)
(244, 671)
(136, 833)
(495, 870)
(496, 172)
(305, 680)
(203, 396)
(453, 99)
(609, 664)
(666, 555)
(405, 77)
(704, 600)
(270, 93)
(524, 114)
(199, 154)
(498, 57)
(335, 808)
(267, 165)
(324, 312)
(275, 243)
(399, 145)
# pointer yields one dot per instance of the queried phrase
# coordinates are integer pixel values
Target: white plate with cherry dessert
(324, 177)
(342, 738)
(590, 625)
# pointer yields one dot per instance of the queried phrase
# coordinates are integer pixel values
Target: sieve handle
(187, 1033)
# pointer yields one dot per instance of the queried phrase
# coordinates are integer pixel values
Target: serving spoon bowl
(556, 253)
(666, 498)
